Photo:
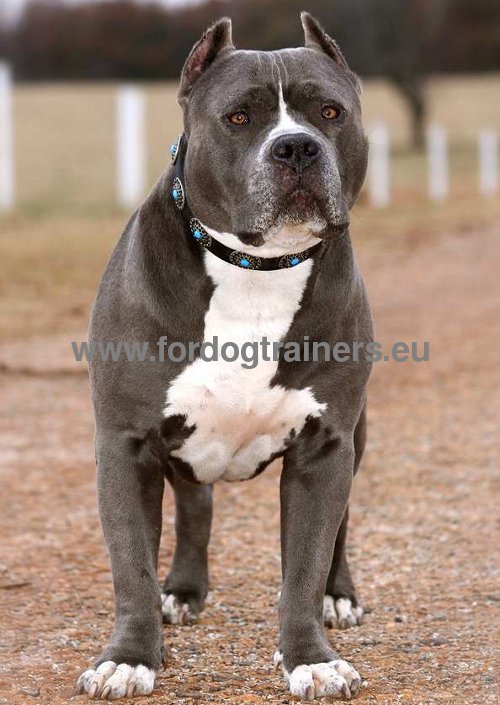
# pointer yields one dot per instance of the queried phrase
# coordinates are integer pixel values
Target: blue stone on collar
(199, 233)
(244, 260)
(178, 194)
(293, 260)
(174, 149)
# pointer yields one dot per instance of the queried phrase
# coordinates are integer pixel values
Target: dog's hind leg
(340, 605)
(186, 586)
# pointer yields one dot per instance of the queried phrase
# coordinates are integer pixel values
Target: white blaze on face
(241, 421)
(286, 125)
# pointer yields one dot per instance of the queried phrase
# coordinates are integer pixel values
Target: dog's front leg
(130, 500)
(315, 486)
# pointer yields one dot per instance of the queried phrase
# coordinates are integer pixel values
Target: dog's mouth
(301, 200)
(335, 230)
(304, 205)
(302, 214)
(301, 233)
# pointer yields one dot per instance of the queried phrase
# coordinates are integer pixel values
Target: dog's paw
(176, 612)
(341, 613)
(110, 680)
(335, 679)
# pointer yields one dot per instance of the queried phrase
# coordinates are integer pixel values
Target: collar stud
(178, 194)
(174, 149)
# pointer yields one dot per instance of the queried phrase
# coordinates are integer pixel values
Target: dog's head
(275, 139)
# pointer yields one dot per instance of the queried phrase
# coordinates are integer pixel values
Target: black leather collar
(196, 230)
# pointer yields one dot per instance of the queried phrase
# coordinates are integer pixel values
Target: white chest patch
(240, 420)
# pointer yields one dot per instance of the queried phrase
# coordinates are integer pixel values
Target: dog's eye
(239, 118)
(330, 113)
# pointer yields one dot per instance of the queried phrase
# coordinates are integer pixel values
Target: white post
(437, 163)
(379, 166)
(7, 191)
(131, 146)
(488, 162)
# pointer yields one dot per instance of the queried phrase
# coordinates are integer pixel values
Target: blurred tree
(471, 36)
(400, 35)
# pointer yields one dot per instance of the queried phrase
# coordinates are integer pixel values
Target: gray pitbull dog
(272, 159)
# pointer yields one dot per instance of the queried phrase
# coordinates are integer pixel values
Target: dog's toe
(176, 612)
(277, 659)
(335, 679)
(110, 681)
(341, 613)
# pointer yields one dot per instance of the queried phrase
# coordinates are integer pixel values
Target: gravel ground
(424, 515)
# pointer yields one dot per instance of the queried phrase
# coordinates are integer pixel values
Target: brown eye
(330, 113)
(239, 118)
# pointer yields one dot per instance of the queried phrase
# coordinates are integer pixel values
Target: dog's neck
(283, 248)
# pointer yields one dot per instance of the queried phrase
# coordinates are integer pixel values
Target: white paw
(341, 613)
(111, 680)
(176, 612)
(336, 679)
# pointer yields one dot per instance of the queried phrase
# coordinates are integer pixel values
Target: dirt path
(423, 522)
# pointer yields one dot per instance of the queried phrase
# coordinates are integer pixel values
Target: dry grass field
(423, 516)
(425, 507)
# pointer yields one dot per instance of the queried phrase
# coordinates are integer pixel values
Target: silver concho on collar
(178, 194)
(245, 261)
(174, 149)
(199, 233)
(293, 260)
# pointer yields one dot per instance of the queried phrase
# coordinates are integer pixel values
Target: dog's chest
(239, 420)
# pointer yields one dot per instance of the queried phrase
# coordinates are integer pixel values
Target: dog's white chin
(285, 238)
(296, 234)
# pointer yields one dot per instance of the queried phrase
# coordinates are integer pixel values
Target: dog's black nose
(297, 150)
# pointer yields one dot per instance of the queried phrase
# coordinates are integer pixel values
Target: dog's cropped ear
(216, 39)
(317, 38)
